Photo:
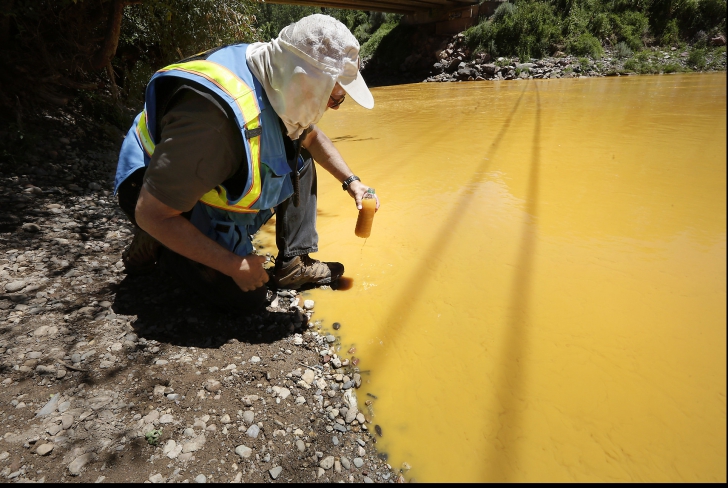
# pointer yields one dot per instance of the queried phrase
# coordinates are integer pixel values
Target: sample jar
(366, 214)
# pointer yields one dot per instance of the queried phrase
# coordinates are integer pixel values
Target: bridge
(449, 16)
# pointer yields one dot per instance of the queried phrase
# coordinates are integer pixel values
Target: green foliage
(631, 65)
(670, 33)
(504, 10)
(622, 50)
(155, 33)
(272, 18)
(696, 58)
(531, 29)
(153, 437)
(630, 27)
(374, 42)
(711, 16)
(585, 45)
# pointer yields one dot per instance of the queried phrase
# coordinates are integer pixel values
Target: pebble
(300, 445)
(327, 462)
(212, 386)
(358, 462)
(308, 376)
(200, 478)
(345, 463)
(243, 451)
(79, 463)
(172, 449)
(253, 431)
(157, 478)
(248, 417)
(14, 286)
(44, 449)
(275, 472)
(255, 360)
(308, 304)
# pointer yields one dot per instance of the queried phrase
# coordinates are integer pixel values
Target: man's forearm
(179, 235)
(326, 155)
(174, 231)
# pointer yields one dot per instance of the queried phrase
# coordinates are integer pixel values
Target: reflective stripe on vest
(245, 99)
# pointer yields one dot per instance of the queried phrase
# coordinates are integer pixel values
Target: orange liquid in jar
(366, 216)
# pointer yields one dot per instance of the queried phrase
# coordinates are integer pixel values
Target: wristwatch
(349, 181)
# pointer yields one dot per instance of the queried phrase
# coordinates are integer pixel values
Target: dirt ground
(106, 377)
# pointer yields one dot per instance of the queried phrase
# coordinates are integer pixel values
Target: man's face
(337, 97)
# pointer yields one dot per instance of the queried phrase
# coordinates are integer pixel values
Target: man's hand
(357, 190)
(250, 274)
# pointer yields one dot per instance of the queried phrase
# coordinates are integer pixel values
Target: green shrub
(631, 65)
(670, 34)
(711, 15)
(372, 44)
(531, 29)
(672, 68)
(585, 45)
(697, 58)
(630, 27)
(622, 50)
(504, 10)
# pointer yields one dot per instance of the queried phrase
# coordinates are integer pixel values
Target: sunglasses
(333, 102)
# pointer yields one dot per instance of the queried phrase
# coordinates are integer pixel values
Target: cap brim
(359, 91)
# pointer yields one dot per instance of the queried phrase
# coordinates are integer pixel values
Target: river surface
(543, 295)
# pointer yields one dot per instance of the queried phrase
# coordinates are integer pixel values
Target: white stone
(44, 449)
(327, 462)
(275, 472)
(308, 376)
(243, 451)
(172, 449)
(79, 463)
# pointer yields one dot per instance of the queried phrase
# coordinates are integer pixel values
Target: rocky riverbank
(452, 61)
(110, 378)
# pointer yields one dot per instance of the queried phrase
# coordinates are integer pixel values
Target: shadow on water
(412, 291)
(502, 458)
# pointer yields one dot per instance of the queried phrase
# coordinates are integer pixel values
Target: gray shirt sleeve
(199, 148)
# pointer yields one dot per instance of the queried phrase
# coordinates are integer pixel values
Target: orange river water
(543, 295)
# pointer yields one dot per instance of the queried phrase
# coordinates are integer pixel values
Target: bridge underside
(449, 16)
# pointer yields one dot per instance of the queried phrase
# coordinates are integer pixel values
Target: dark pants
(295, 235)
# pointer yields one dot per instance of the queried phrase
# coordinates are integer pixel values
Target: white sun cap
(328, 45)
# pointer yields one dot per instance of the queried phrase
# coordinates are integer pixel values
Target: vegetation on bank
(536, 28)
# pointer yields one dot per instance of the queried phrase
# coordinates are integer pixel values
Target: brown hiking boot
(303, 270)
(142, 254)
